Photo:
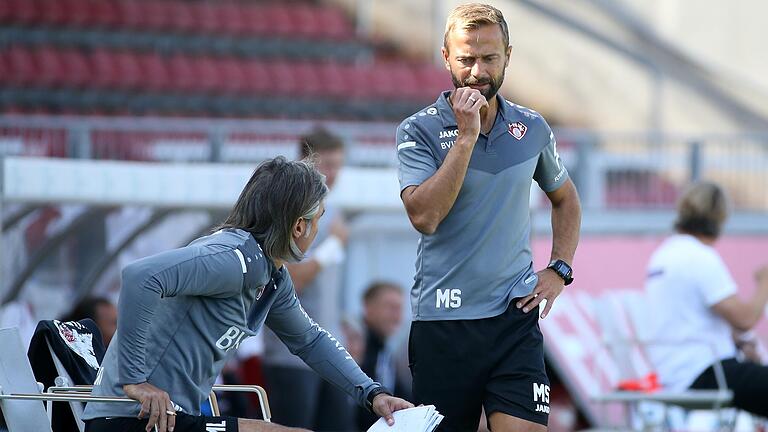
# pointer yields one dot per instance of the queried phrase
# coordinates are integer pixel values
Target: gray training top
(479, 258)
(183, 313)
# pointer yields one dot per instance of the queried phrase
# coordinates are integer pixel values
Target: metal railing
(612, 170)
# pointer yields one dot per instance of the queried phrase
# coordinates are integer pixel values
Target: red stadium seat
(128, 69)
(183, 77)
(232, 75)
(131, 14)
(53, 12)
(182, 17)
(281, 78)
(253, 19)
(278, 19)
(22, 69)
(333, 24)
(78, 13)
(49, 67)
(23, 11)
(230, 19)
(256, 77)
(206, 17)
(75, 69)
(307, 78)
(155, 72)
(206, 69)
(331, 75)
(157, 14)
(105, 73)
(305, 22)
(105, 13)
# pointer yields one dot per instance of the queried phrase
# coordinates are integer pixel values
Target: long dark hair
(279, 193)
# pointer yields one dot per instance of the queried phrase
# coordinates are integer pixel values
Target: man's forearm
(433, 199)
(566, 223)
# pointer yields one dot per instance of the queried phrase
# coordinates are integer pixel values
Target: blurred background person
(299, 397)
(696, 307)
(383, 315)
(102, 311)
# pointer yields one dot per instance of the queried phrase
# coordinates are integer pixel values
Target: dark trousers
(300, 398)
(748, 381)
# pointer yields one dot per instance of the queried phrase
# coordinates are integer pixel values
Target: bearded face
(477, 58)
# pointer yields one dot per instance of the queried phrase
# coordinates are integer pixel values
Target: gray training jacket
(184, 312)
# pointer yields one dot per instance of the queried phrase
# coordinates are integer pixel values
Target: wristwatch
(562, 269)
(372, 395)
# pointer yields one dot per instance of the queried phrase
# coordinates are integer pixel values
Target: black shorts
(184, 423)
(496, 363)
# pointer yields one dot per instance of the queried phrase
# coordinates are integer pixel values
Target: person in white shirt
(696, 306)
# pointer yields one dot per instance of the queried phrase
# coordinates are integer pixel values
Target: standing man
(300, 397)
(466, 165)
(184, 312)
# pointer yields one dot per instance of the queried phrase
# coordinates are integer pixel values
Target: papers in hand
(418, 419)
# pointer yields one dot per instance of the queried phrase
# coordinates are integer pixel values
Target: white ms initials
(448, 298)
(541, 394)
(230, 339)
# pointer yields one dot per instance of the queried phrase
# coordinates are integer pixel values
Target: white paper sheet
(418, 419)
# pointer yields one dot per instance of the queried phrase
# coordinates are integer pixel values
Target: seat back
(16, 377)
(616, 317)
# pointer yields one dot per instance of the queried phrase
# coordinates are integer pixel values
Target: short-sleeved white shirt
(685, 279)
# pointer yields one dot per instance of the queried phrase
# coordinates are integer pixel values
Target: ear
(509, 54)
(446, 54)
(299, 228)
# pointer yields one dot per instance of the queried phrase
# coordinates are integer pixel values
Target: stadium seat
(21, 65)
(53, 12)
(155, 72)
(75, 68)
(623, 319)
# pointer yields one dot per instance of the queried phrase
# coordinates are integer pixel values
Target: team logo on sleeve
(517, 130)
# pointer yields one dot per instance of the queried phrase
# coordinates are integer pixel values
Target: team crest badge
(517, 130)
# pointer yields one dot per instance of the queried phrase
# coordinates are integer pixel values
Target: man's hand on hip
(384, 405)
(155, 403)
(549, 286)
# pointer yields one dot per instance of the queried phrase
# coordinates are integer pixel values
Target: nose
(476, 70)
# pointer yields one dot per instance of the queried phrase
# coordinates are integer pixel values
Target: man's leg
(188, 423)
(247, 425)
(501, 422)
(447, 365)
(517, 392)
(747, 380)
(293, 395)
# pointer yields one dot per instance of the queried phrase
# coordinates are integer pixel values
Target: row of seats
(40, 100)
(101, 69)
(167, 43)
(284, 19)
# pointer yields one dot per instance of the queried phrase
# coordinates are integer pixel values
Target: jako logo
(449, 134)
(449, 298)
(216, 427)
